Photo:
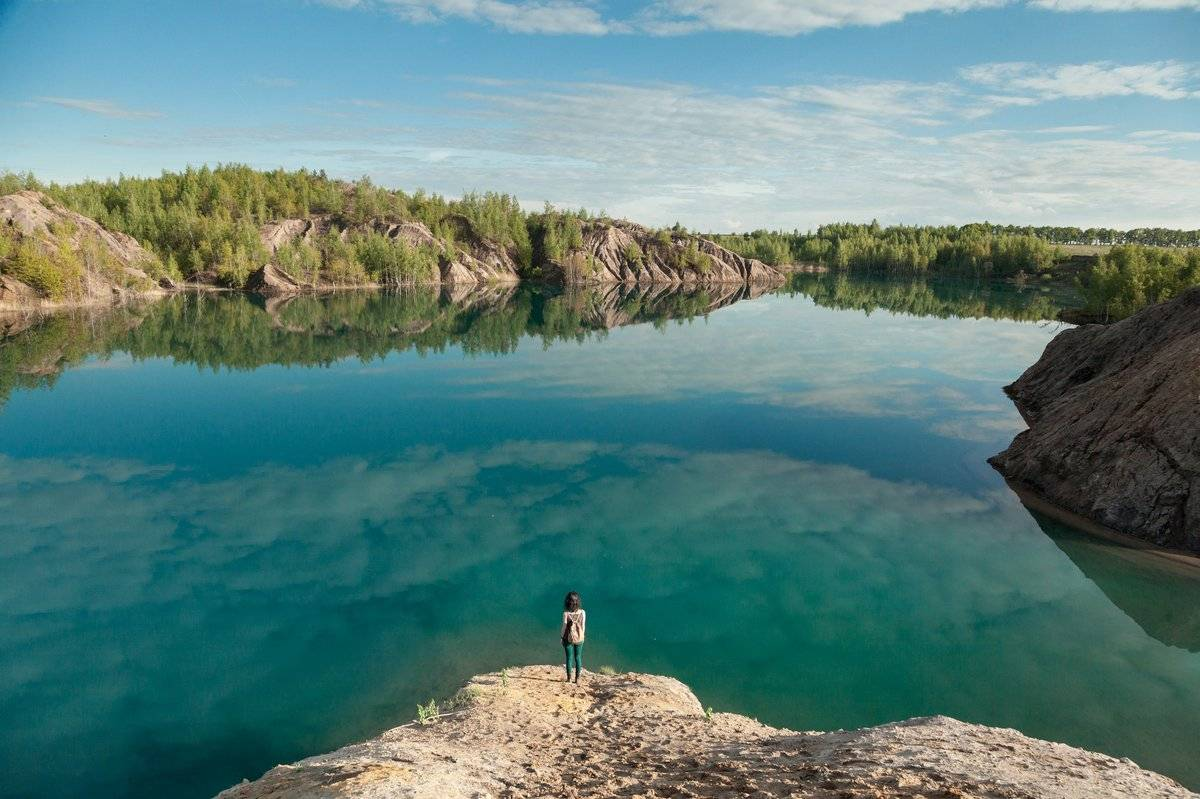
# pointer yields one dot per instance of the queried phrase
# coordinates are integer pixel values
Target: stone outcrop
(624, 252)
(1114, 424)
(528, 734)
(474, 260)
(92, 264)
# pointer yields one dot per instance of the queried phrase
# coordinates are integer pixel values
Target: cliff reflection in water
(240, 331)
(1160, 596)
(243, 331)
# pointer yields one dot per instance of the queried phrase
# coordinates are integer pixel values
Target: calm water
(235, 533)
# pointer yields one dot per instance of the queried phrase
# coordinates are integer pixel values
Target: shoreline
(1183, 561)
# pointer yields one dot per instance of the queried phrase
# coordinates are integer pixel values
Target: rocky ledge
(1114, 424)
(527, 734)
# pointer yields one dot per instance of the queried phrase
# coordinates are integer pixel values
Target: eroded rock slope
(51, 256)
(473, 260)
(618, 251)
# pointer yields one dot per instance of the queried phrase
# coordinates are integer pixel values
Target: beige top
(580, 617)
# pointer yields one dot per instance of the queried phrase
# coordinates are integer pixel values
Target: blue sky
(721, 114)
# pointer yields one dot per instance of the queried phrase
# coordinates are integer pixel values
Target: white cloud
(783, 18)
(105, 108)
(923, 103)
(1166, 80)
(677, 17)
(1116, 5)
(516, 16)
(1167, 136)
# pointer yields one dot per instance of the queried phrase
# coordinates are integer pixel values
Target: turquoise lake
(234, 533)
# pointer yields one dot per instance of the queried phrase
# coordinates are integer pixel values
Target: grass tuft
(427, 713)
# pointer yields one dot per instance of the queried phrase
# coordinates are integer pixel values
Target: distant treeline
(1128, 278)
(1125, 279)
(1001, 249)
(208, 220)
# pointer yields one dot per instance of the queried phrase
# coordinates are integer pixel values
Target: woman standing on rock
(573, 623)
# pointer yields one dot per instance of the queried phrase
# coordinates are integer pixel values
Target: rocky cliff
(471, 261)
(617, 251)
(528, 734)
(51, 256)
(1114, 424)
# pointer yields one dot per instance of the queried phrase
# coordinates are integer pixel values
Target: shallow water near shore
(237, 532)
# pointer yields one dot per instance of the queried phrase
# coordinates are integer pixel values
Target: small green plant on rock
(608, 671)
(463, 699)
(708, 714)
(427, 713)
(503, 678)
(634, 256)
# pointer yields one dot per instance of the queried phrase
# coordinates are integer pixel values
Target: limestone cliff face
(528, 734)
(624, 252)
(1114, 424)
(77, 261)
(473, 261)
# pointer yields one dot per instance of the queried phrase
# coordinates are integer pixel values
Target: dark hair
(571, 602)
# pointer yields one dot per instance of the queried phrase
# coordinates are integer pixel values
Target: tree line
(207, 220)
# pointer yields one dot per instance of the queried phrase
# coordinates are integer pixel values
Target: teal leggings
(578, 652)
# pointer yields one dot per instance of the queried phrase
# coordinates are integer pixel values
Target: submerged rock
(1114, 424)
(76, 260)
(528, 733)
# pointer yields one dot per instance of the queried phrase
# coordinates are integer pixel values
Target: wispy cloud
(1167, 136)
(105, 108)
(519, 16)
(1116, 5)
(1165, 80)
(922, 103)
(677, 17)
(786, 19)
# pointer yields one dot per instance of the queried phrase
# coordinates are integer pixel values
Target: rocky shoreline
(525, 733)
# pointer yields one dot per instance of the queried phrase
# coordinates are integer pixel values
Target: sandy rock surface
(1114, 424)
(532, 735)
